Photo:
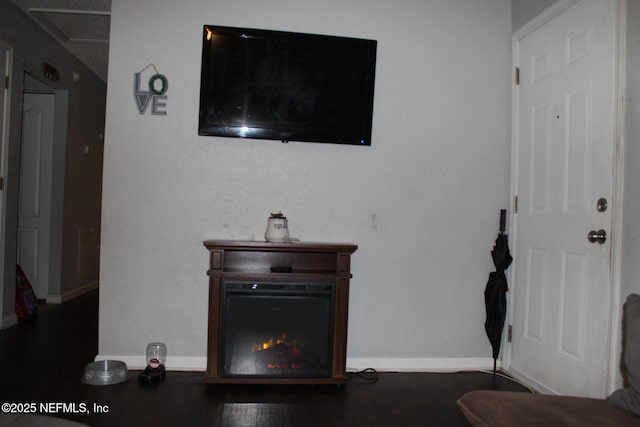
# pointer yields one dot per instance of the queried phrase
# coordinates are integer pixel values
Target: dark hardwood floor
(42, 361)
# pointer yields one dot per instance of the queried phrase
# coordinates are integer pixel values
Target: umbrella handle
(503, 219)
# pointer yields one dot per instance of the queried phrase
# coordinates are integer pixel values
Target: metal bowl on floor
(105, 372)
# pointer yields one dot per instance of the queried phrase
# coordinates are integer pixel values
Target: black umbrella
(495, 298)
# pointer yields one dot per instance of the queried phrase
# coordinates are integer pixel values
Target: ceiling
(82, 26)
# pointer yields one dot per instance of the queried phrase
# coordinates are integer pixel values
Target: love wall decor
(155, 95)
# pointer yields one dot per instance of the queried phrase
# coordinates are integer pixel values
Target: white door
(34, 205)
(564, 140)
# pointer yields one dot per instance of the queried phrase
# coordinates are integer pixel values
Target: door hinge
(509, 333)
(517, 77)
(6, 82)
(1, 183)
(515, 204)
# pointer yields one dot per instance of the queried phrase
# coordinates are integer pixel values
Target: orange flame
(282, 339)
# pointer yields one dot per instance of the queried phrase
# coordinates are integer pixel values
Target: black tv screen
(286, 86)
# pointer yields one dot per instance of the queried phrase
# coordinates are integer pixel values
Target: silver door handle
(599, 236)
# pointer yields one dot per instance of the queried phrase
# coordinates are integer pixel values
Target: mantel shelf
(247, 245)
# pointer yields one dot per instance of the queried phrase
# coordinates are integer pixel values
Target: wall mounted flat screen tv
(286, 86)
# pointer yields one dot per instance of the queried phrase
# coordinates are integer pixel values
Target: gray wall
(422, 202)
(522, 11)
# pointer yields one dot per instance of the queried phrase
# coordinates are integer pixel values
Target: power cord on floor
(510, 378)
(368, 375)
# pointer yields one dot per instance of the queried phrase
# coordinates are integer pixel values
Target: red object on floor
(26, 301)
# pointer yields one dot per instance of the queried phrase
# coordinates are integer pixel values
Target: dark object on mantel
(266, 265)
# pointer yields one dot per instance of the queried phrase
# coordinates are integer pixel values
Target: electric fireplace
(277, 329)
(278, 312)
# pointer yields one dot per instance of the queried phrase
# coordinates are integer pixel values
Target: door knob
(599, 236)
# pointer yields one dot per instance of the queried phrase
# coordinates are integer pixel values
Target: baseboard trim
(54, 299)
(193, 363)
(422, 364)
(9, 321)
(174, 363)
(59, 299)
(531, 383)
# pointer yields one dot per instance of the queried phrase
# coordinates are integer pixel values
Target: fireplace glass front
(277, 329)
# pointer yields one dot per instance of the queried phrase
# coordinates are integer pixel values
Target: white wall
(422, 202)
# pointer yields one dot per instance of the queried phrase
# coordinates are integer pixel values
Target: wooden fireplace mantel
(278, 262)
